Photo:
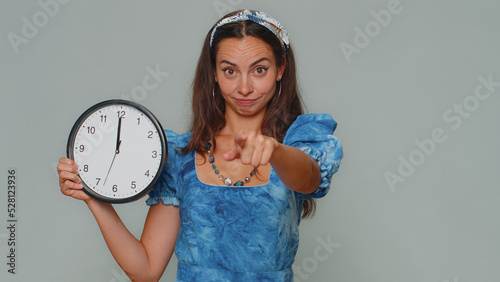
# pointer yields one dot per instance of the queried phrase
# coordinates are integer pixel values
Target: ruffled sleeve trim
(167, 187)
(166, 200)
(313, 134)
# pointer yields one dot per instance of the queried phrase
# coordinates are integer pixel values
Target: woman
(247, 130)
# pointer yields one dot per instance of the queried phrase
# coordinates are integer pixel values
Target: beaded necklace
(227, 181)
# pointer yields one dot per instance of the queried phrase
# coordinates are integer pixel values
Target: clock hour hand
(118, 141)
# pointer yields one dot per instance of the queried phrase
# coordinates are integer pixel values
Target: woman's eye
(229, 71)
(260, 70)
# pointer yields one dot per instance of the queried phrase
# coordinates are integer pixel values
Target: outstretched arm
(297, 170)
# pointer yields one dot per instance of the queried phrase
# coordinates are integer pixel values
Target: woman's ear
(215, 75)
(281, 69)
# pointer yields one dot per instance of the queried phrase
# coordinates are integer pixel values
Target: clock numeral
(133, 185)
(115, 188)
(82, 148)
(91, 130)
(147, 173)
(155, 154)
(150, 134)
(86, 168)
(98, 179)
(103, 118)
(121, 114)
(138, 121)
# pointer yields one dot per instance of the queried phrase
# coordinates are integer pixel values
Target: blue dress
(247, 233)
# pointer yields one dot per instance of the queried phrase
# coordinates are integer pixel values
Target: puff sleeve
(167, 186)
(313, 134)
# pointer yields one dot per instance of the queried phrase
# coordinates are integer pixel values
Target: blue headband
(260, 18)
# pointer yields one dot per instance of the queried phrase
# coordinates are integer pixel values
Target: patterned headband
(260, 18)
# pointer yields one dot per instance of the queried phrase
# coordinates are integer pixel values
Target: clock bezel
(156, 123)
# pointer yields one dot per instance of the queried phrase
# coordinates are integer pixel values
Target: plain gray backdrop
(413, 85)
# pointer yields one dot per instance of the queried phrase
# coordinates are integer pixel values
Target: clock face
(120, 149)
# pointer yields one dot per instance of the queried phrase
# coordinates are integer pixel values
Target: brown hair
(208, 105)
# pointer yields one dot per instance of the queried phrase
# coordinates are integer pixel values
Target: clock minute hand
(118, 141)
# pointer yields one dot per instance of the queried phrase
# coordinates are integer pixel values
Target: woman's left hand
(252, 148)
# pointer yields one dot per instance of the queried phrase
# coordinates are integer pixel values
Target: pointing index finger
(240, 139)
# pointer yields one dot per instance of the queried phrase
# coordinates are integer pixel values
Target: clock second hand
(109, 169)
(117, 150)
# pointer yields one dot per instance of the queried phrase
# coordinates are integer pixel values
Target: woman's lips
(244, 101)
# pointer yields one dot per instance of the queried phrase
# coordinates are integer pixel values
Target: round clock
(120, 148)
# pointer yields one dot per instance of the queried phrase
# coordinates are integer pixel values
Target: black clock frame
(156, 123)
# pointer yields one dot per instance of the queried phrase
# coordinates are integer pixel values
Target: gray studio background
(416, 97)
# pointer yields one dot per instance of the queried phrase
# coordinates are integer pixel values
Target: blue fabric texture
(247, 233)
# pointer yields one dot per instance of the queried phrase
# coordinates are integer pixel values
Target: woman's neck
(236, 122)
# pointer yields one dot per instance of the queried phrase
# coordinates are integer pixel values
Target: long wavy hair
(208, 105)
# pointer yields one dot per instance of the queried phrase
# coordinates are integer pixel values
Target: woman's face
(247, 73)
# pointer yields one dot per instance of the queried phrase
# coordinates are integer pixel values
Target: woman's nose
(245, 86)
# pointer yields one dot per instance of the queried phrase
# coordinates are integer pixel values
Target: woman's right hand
(69, 180)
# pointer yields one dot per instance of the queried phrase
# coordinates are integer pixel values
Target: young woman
(235, 187)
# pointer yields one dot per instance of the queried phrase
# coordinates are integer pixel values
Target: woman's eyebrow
(253, 64)
(259, 60)
(227, 62)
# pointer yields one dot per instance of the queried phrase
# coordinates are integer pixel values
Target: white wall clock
(120, 148)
